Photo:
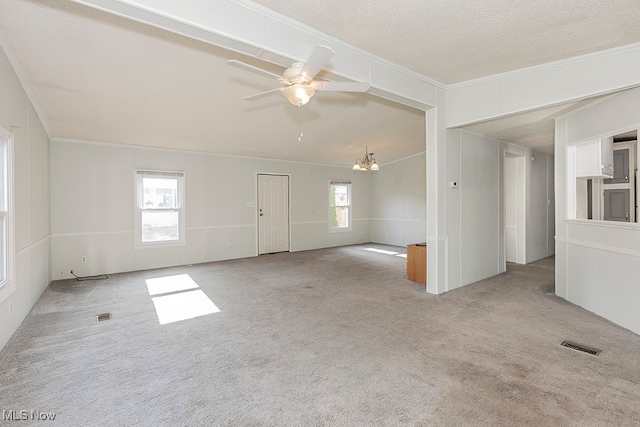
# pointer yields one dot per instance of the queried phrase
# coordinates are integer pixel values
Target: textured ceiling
(105, 78)
(457, 40)
(535, 129)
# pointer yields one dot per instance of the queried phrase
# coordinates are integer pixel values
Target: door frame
(256, 204)
(520, 157)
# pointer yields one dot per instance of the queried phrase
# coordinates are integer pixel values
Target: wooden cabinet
(417, 263)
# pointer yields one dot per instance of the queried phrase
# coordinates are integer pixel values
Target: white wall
(473, 216)
(31, 190)
(597, 262)
(92, 211)
(475, 211)
(398, 202)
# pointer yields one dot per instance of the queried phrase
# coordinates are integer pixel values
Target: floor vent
(580, 347)
(103, 317)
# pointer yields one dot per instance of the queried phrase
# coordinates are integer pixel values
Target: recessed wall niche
(602, 194)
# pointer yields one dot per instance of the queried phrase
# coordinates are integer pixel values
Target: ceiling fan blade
(262, 94)
(242, 65)
(341, 86)
(317, 61)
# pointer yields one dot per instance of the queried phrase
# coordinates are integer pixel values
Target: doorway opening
(515, 208)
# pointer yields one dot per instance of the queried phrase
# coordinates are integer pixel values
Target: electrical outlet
(230, 245)
(84, 259)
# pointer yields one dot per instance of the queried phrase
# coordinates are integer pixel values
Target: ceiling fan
(298, 79)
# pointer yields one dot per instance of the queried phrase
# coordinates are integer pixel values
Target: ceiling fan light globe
(356, 167)
(298, 94)
(375, 167)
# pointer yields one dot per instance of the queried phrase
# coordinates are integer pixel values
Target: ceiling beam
(257, 31)
(541, 86)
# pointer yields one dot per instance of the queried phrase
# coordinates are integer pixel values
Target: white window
(160, 215)
(7, 282)
(340, 205)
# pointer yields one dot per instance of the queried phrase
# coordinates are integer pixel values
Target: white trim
(9, 287)
(399, 219)
(102, 233)
(599, 247)
(218, 227)
(33, 245)
(547, 65)
(91, 233)
(183, 151)
(601, 223)
(404, 158)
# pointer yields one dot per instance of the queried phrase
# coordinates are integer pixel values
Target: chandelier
(368, 162)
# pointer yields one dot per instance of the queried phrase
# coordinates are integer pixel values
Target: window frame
(7, 263)
(139, 174)
(349, 206)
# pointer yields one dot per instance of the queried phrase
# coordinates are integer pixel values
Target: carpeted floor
(327, 337)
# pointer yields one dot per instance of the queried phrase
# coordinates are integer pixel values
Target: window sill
(605, 224)
(154, 245)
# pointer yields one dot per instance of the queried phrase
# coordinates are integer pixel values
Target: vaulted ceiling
(101, 77)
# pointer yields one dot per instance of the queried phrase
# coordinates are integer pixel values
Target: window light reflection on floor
(381, 251)
(179, 298)
(164, 285)
(182, 306)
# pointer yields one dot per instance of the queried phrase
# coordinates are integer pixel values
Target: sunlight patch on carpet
(167, 284)
(183, 306)
(380, 251)
(179, 298)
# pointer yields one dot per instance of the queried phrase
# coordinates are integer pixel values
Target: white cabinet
(594, 159)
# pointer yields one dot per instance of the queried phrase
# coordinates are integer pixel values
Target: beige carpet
(327, 337)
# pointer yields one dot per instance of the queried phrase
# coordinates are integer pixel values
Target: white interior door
(273, 213)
